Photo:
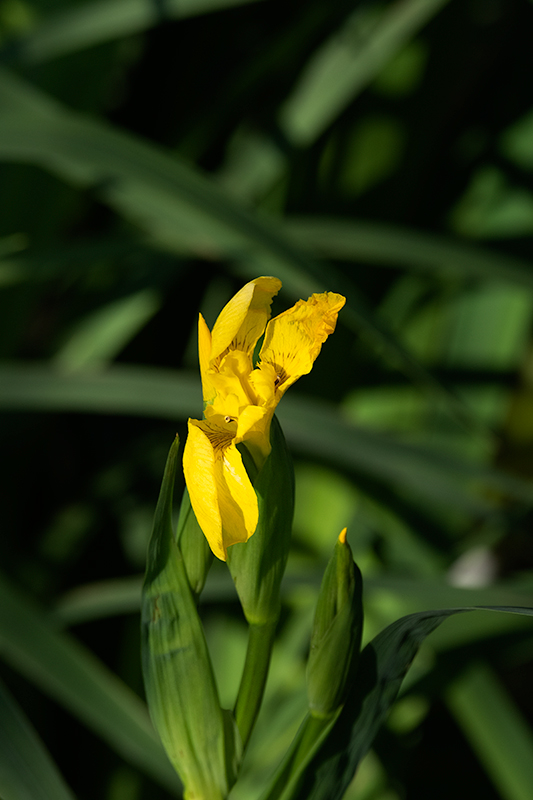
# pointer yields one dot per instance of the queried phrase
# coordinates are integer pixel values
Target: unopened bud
(336, 637)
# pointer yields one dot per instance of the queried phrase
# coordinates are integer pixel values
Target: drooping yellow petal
(222, 497)
(242, 321)
(294, 339)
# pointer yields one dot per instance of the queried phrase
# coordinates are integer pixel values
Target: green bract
(200, 739)
(257, 566)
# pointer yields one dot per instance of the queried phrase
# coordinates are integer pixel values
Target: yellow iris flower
(240, 400)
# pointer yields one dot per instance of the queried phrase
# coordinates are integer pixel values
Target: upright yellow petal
(294, 339)
(242, 321)
(204, 354)
(222, 497)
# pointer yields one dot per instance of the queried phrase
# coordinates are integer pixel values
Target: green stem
(310, 736)
(254, 676)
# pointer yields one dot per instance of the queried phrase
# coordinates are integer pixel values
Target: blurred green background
(154, 156)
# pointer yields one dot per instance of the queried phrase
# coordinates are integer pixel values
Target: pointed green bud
(201, 740)
(337, 629)
(257, 566)
(197, 555)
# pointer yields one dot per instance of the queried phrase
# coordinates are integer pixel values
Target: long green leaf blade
(91, 23)
(346, 63)
(179, 206)
(76, 679)
(496, 729)
(26, 770)
(123, 595)
(395, 246)
(313, 428)
(383, 665)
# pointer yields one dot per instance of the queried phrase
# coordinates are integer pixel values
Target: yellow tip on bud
(342, 536)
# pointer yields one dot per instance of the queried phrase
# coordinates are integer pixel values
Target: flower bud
(336, 637)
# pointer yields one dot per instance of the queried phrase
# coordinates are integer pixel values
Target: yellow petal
(204, 354)
(233, 377)
(242, 321)
(253, 429)
(222, 497)
(294, 339)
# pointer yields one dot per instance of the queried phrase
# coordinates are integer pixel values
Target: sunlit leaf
(347, 62)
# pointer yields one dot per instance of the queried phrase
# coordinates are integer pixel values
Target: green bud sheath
(197, 555)
(200, 739)
(337, 629)
(257, 566)
(335, 644)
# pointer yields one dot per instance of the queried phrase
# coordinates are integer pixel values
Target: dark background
(148, 171)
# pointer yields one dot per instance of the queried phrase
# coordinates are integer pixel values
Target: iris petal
(220, 490)
(294, 339)
(204, 354)
(240, 401)
(242, 321)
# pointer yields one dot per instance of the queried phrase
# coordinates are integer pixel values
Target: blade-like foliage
(382, 667)
(312, 427)
(91, 23)
(379, 243)
(347, 63)
(26, 770)
(176, 204)
(75, 678)
(497, 730)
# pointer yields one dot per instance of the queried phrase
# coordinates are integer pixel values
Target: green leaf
(76, 679)
(394, 246)
(123, 596)
(383, 665)
(90, 23)
(418, 593)
(179, 206)
(117, 390)
(496, 729)
(176, 203)
(312, 427)
(317, 428)
(99, 337)
(26, 770)
(347, 62)
(99, 599)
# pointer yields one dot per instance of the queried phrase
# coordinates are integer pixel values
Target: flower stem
(254, 676)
